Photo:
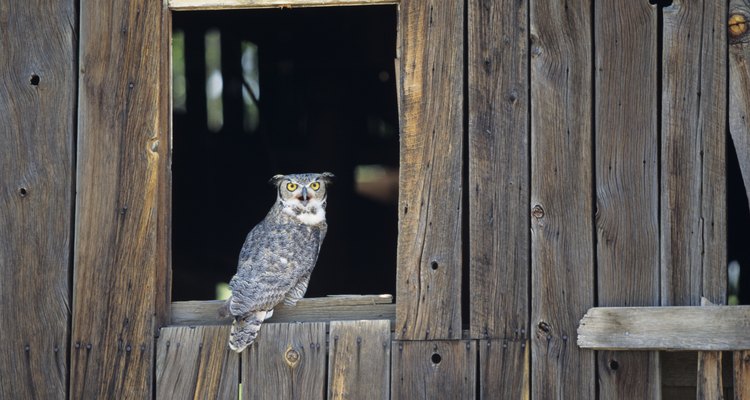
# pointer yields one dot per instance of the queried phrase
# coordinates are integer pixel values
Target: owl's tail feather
(245, 329)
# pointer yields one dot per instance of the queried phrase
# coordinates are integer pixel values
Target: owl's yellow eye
(291, 186)
(315, 185)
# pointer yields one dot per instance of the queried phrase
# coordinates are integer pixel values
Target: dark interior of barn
(262, 92)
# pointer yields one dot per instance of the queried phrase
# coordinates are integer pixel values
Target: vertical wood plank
(627, 188)
(359, 360)
(739, 84)
(741, 360)
(504, 368)
(37, 129)
(117, 251)
(430, 53)
(499, 175)
(709, 376)
(433, 370)
(287, 361)
(562, 249)
(709, 379)
(196, 363)
(693, 201)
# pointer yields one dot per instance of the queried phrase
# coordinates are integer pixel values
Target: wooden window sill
(318, 309)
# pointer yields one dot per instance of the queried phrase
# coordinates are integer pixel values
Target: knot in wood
(544, 327)
(292, 357)
(737, 25)
(537, 212)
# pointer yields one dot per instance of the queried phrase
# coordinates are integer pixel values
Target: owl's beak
(304, 196)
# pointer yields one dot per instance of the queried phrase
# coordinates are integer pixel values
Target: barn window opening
(262, 92)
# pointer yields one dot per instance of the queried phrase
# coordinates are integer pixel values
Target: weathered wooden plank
(694, 107)
(287, 361)
(709, 375)
(739, 84)
(666, 328)
(504, 368)
(193, 5)
(359, 361)
(499, 180)
(196, 363)
(741, 361)
(117, 251)
(709, 382)
(320, 309)
(430, 52)
(562, 248)
(433, 370)
(37, 129)
(627, 188)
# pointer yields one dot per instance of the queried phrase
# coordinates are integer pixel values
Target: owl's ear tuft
(327, 177)
(275, 180)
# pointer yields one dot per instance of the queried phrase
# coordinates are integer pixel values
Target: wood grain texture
(504, 369)
(359, 360)
(694, 107)
(321, 309)
(739, 85)
(709, 375)
(627, 187)
(287, 361)
(562, 248)
(117, 251)
(741, 363)
(499, 174)
(430, 53)
(37, 129)
(433, 370)
(666, 328)
(193, 5)
(196, 363)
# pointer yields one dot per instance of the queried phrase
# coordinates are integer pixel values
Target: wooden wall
(38, 62)
(581, 144)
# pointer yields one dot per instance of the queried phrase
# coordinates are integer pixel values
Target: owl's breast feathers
(276, 254)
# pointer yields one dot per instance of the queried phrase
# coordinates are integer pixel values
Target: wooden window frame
(337, 307)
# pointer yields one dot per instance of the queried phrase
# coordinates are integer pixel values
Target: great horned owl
(279, 254)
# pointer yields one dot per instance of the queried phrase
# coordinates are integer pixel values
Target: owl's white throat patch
(312, 213)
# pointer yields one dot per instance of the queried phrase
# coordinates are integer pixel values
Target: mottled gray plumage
(279, 254)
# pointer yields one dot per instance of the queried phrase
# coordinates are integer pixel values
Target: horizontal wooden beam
(193, 5)
(714, 328)
(319, 309)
